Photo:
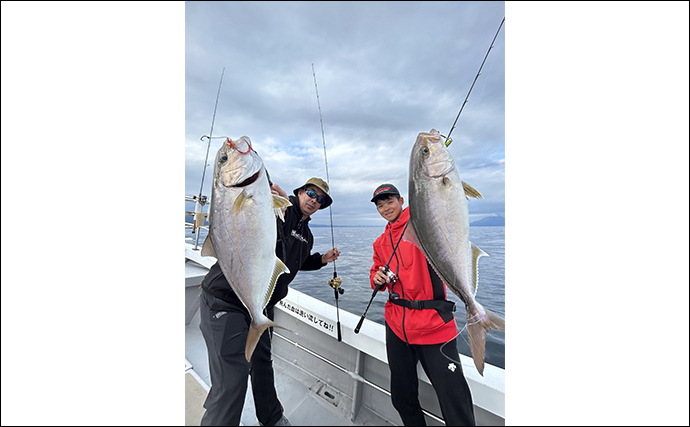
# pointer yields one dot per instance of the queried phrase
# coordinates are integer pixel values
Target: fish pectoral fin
(240, 201)
(447, 183)
(476, 254)
(279, 214)
(207, 248)
(471, 191)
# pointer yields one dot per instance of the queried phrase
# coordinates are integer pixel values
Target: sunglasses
(313, 195)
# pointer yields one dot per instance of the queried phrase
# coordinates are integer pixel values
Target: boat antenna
(201, 200)
(335, 282)
(448, 139)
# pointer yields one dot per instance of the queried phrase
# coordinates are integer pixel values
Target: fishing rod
(390, 274)
(201, 200)
(387, 271)
(448, 139)
(335, 282)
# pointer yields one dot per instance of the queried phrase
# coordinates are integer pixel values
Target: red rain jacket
(413, 283)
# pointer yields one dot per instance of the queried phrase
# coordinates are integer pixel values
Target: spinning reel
(335, 283)
(392, 278)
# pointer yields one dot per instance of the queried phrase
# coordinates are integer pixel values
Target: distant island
(496, 220)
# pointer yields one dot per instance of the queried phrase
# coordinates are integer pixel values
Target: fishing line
(484, 84)
(448, 140)
(335, 281)
(459, 334)
(444, 344)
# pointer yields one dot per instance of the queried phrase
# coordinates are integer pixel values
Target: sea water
(356, 258)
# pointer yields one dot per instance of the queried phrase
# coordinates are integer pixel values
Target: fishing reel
(335, 284)
(391, 277)
(201, 199)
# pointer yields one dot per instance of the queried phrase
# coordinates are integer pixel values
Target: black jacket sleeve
(313, 262)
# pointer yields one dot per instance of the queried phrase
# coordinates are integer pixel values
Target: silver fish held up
(440, 229)
(242, 231)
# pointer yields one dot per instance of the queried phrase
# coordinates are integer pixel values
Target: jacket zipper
(402, 290)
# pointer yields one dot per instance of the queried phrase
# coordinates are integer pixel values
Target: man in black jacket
(225, 321)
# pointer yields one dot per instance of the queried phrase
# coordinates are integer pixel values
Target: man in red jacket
(419, 320)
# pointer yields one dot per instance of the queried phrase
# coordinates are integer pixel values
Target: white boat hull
(321, 381)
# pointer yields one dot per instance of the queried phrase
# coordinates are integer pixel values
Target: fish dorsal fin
(278, 268)
(279, 203)
(476, 254)
(471, 191)
(207, 248)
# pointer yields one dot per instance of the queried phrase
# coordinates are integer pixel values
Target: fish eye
(224, 158)
(425, 151)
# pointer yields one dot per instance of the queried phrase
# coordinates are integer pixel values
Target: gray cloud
(385, 71)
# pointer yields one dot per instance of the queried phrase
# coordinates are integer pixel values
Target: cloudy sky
(103, 105)
(385, 71)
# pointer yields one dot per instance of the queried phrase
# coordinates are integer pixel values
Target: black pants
(446, 377)
(224, 327)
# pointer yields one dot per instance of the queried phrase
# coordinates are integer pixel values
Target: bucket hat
(322, 185)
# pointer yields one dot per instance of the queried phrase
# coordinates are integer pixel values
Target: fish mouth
(432, 137)
(249, 180)
(440, 169)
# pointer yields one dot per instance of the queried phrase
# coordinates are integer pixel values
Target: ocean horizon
(355, 245)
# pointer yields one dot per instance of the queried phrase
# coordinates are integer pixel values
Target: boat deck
(320, 379)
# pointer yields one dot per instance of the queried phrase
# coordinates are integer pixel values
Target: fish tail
(256, 329)
(476, 332)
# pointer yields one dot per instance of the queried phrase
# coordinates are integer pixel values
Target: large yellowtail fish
(242, 231)
(439, 227)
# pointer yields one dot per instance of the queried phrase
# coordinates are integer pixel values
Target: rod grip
(359, 325)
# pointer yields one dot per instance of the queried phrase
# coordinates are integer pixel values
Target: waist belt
(444, 308)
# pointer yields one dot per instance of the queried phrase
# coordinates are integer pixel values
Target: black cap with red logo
(384, 190)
